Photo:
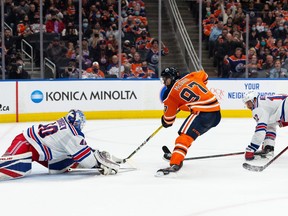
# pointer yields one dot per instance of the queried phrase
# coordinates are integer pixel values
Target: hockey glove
(282, 124)
(105, 163)
(164, 123)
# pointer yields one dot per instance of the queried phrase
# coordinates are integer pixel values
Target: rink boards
(115, 99)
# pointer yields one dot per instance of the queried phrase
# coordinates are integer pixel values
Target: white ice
(214, 186)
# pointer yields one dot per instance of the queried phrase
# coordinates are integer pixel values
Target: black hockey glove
(164, 123)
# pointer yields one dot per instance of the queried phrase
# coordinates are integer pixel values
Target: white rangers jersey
(268, 112)
(59, 139)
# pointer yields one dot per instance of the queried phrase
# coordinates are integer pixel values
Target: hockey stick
(167, 157)
(261, 168)
(120, 161)
(98, 170)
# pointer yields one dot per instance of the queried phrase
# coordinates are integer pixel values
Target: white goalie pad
(15, 166)
(104, 161)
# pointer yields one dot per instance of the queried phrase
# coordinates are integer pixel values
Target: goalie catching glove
(105, 163)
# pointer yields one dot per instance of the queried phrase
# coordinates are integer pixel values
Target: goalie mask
(76, 118)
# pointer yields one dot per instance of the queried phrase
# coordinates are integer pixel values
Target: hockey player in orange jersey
(188, 93)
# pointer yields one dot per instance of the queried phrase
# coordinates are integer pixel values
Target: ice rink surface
(214, 186)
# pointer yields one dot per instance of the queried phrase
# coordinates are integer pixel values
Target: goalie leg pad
(15, 166)
(104, 162)
(61, 165)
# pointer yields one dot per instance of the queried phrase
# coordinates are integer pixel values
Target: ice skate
(166, 171)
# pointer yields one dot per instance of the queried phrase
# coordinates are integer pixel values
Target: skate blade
(162, 174)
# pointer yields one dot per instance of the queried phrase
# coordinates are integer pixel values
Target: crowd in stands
(100, 38)
(224, 33)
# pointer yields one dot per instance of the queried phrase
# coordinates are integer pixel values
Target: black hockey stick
(261, 168)
(167, 156)
(120, 161)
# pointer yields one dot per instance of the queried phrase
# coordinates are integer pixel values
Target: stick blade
(118, 160)
(253, 167)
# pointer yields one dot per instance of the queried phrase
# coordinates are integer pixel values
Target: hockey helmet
(170, 72)
(249, 96)
(76, 118)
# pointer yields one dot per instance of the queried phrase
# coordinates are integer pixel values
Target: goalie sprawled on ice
(59, 146)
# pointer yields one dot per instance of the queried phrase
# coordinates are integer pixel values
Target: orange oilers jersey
(189, 94)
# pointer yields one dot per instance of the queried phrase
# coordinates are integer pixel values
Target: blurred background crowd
(241, 36)
(247, 35)
(100, 38)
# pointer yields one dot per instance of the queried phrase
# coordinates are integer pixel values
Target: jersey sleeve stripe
(82, 154)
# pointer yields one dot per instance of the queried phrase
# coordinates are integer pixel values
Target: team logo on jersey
(37, 96)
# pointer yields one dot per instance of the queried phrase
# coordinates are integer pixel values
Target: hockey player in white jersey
(269, 112)
(58, 145)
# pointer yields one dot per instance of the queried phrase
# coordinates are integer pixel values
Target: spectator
(32, 13)
(127, 73)
(23, 6)
(86, 61)
(126, 47)
(236, 42)
(9, 40)
(253, 36)
(133, 50)
(269, 18)
(216, 31)
(17, 71)
(220, 51)
(71, 52)
(226, 14)
(277, 71)
(112, 45)
(101, 55)
(72, 72)
(236, 64)
(86, 28)
(113, 68)
(152, 56)
(136, 66)
(35, 27)
(54, 24)
(56, 51)
(127, 29)
(23, 28)
(113, 30)
(254, 67)
(94, 72)
(70, 33)
(280, 32)
(141, 43)
(146, 72)
(208, 25)
(268, 64)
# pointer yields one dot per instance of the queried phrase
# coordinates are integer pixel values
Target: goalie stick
(261, 168)
(121, 161)
(167, 157)
(98, 170)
